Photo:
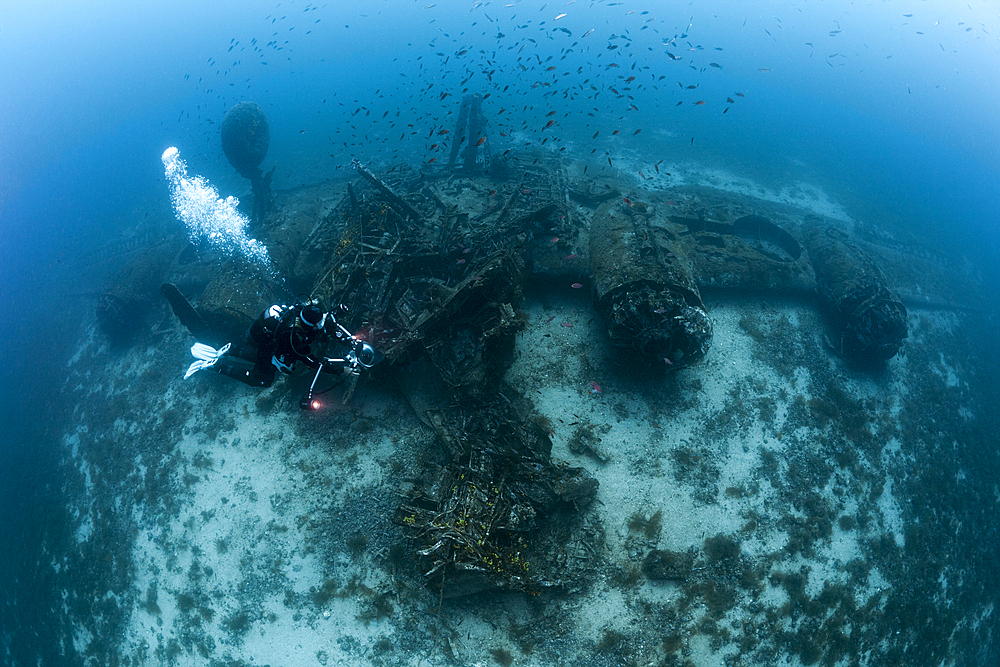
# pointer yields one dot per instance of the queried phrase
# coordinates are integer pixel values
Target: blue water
(890, 106)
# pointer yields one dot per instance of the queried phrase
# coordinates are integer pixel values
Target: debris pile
(500, 513)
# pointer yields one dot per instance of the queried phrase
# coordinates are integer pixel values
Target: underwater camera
(361, 356)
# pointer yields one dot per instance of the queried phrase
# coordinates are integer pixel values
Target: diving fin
(206, 357)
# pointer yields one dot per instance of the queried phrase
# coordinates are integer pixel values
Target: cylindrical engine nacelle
(644, 288)
(870, 319)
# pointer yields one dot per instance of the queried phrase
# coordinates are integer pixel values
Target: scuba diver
(282, 336)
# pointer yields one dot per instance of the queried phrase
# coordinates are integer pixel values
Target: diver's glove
(206, 356)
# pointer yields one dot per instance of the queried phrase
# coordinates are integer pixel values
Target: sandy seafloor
(830, 511)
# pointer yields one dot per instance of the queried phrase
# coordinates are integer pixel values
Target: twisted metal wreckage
(431, 266)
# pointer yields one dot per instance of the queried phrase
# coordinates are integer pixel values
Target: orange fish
(482, 140)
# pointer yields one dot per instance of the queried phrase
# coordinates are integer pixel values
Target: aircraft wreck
(432, 264)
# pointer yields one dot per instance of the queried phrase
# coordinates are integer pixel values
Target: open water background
(890, 106)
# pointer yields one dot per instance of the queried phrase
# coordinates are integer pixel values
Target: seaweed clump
(665, 565)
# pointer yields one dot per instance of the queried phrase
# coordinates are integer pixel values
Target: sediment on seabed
(771, 504)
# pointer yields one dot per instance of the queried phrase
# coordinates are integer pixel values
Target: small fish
(630, 79)
(431, 160)
(587, 33)
(443, 131)
(549, 124)
(740, 95)
(572, 256)
(637, 132)
(551, 113)
(717, 65)
(699, 103)
(627, 201)
(667, 361)
(550, 319)
(616, 132)
(558, 17)
(567, 325)
(460, 261)
(731, 100)
(554, 239)
(482, 140)
(576, 285)
(593, 387)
